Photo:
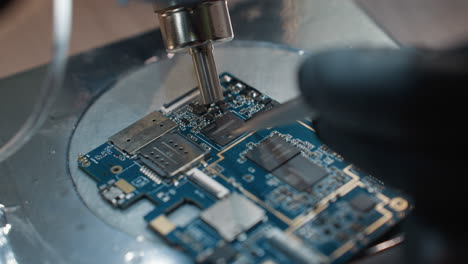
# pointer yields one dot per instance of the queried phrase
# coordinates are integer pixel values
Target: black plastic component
(209, 117)
(300, 173)
(221, 130)
(222, 254)
(272, 153)
(185, 121)
(198, 109)
(363, 203)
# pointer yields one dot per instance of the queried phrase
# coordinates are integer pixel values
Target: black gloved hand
(399, 115)
(4, 3)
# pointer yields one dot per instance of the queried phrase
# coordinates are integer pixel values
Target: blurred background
(25, 25)
(25, 29)
(25, 42)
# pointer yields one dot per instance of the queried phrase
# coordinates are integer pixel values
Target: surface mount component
(208, 183)
(142, 132)
(117, 192)
(232, 216)
(362, 203)
(272, 152)
(250, 199)
(198, 109)
(170, 154)
(300, 173)
(220, 130)
(293, 248)
(222, 254)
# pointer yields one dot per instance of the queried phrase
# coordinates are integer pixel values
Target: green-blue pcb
(274, 196)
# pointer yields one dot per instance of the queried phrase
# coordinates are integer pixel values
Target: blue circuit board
(237, 208)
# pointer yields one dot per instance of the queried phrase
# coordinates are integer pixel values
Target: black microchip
(222, 105)
(362, 203)
(198, 109)
(185, 121)
(221, 130)
(222, 254)
(272, 152)
(266, 100)
(300, 173)
(209, 117)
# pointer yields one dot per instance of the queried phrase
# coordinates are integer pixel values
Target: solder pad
(277, 194)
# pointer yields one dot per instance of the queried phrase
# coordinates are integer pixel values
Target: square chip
(300, 173)
(362, 203)
(221, 254)
(232, 216)
(272, 152)
(221, 130)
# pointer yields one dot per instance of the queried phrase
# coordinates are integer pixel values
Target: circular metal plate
(269, 68)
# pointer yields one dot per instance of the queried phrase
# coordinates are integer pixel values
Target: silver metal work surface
(54, 210)
(107, 116)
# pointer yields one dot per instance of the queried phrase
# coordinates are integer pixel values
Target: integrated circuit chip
(300, 173)
(362, 203)
(198, 109)
(221, 130)
(221, 254)
(272, 152)
(171, 154)
(232, 216)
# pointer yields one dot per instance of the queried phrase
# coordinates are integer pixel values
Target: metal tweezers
(283, 114)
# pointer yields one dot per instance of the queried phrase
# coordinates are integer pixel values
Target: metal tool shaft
(207, 75)
(195, 25)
